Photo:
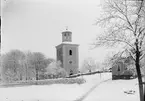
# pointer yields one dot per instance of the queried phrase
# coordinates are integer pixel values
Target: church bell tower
(67, 53)
(66, 36)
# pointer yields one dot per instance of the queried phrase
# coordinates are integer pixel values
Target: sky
(36, 25)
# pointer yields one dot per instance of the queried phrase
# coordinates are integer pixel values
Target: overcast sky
(36, 25)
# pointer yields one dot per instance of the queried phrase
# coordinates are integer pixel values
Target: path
(90, 90)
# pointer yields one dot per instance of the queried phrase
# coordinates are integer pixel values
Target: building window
(70, 52)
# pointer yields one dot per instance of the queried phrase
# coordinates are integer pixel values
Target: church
(67, 53)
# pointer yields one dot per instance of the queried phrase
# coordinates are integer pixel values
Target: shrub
(47, 82)
(54, 70)
(128, 72)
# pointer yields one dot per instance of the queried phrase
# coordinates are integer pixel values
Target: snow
(97, 88)
(114, 91)
(67, 42)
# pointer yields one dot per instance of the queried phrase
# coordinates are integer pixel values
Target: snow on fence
(78, 80)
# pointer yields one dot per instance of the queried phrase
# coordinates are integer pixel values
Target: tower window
(118, 68)
(70, 52)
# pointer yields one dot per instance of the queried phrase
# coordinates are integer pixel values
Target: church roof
(72, 43)
(67, 43)
(66, 31)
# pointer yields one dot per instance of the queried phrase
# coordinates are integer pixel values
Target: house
(123, 68)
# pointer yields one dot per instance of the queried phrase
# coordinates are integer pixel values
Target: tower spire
(66, 27)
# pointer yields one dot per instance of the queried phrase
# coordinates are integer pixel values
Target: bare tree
(89, 65)
(17, 65)
(124, 21)
(12, 68)
(37, 61)
(27, 64)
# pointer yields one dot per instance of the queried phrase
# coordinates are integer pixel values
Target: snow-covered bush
(89, 65)
(54, 70)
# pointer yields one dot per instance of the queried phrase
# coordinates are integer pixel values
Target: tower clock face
(70, 62)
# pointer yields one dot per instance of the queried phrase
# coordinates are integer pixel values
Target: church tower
(67, 53)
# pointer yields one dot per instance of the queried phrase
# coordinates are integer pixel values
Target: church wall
(71, 61)
(60, 55)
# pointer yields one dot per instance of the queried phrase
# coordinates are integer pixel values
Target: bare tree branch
(126, 25)
(142, 56)
(131, 54)
(124, 13)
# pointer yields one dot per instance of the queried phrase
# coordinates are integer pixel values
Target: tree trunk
(144, 87)
(137, 64)
(20, 76)
(26, 71)
(144, 91)
(37, 74)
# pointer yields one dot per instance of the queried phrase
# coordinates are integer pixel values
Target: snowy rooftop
(68, 43)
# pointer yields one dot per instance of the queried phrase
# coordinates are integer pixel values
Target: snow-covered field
(96, 88)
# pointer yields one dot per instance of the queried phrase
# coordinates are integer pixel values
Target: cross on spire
(66, 27)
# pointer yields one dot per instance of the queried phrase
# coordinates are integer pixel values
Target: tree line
(20, 66)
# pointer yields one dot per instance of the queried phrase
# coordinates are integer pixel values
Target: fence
(78, 80)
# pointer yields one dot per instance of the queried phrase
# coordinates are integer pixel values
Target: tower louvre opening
(70, 52)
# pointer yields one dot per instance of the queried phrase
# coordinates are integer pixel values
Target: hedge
(46, 82)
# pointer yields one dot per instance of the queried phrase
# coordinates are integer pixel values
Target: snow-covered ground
(96, 88)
